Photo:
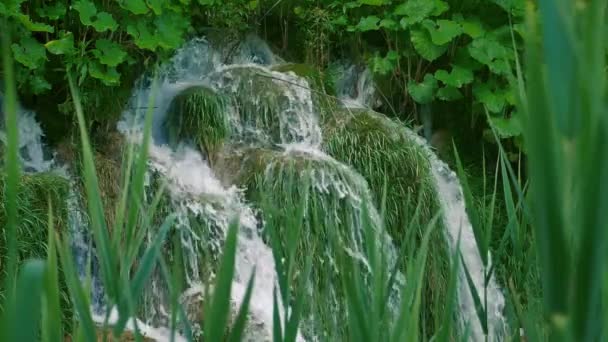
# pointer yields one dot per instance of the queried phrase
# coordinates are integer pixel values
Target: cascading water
(266, 110)
(35, 158)
(459, 232)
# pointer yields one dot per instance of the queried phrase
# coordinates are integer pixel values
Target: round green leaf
(493, 98)
(32, 26)
(473, 27)
(63, 46)
(421, 39)
(52, 12)
(373, 2)
(109, 53)
(105, 22)
(443, 31)
(29, 52)
(449, 93)
(134, 6)
(86, 10)
(507, 127)
(458, 77)
(156, 6)
(487, 49)
(107, 75)
(368, 24)
(143, 38)
(424, 92)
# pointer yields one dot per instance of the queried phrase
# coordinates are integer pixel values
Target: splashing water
(459, 231)
(283, 118)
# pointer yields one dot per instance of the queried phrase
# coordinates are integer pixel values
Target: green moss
(199, 114)
(36, 193)
(387, 157)
(323, 198)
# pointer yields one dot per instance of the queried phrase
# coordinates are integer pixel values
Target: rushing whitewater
(358, 93)
(197, 191)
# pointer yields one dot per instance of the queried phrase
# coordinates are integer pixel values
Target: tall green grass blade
(277, 331)
(291, 328)
(477, 299)
(51, 314)
(147, 264)
(236, 333)
(79, 298)
(445, 334)
(478, 229)
(107, 255)
(11, 160)
(217, 315)
(23, 315)
(545, 166)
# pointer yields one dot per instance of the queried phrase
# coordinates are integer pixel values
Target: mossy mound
(322, 197)
(397, 170)
(36, 194)
(199, 114)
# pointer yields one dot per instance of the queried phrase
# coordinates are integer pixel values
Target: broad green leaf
(143, 38)
(10, 7)
(421, 39)
(515, 7)
(494, 99)
(62, 46)
(86, 10)
(458, 77)
(109, 52)
(170, 30)
(134, 6)
(449, 93)
(32, 26)
(473, 27)
(373, 2)
(389, 24)
(423, 92)
(507, 127)
(487, 49)
(52, 12)
(416, 11)
(38, 84)
(107, 75)
(368, 24)
(443, 31)
(385, 65)
(29, 52)
(156, 6)
(105, 22)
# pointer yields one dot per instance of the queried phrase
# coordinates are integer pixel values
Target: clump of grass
(326, 199)
(35, 193)
(398, 171)
(199, 114)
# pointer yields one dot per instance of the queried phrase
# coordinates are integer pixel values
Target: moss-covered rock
(36, 194)
(199, 114)
(325, 199)
(398, 172)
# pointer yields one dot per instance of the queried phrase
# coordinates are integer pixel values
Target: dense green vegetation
(534, 90)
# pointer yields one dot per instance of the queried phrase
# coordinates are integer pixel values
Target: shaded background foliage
(454, 59)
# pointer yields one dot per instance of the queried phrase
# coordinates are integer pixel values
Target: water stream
(199, 197)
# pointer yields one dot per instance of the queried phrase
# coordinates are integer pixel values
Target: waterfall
(268, 111)
(35, 157)
(459, 231)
